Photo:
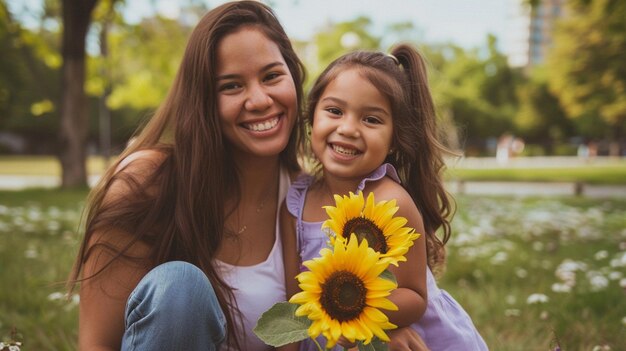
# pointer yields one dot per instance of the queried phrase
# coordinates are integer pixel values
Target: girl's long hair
(416, 153)
(178, 209)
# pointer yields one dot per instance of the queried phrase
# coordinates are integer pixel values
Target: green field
(597, 174)
(613, 173)
(569, 251)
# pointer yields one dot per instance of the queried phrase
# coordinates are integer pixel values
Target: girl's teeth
(345, 151)
(260, 127)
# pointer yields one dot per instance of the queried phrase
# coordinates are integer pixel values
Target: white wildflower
(537, 298)
(619, 260)
(561, 288)
(600, 255)
(614, 275)
(512, 312)
(622, 283)
(499, 258)
(56, 296)
(521, 273)
(537, 246)
(598, 282)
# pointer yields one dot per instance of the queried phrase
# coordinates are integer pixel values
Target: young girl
(373, 129)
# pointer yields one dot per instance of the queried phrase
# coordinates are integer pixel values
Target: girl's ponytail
(421, 160)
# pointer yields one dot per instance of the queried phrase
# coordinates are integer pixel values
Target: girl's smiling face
(352, 126)
(257, 100)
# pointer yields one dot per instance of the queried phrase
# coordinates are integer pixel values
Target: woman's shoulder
(142, 161)
(134, 173)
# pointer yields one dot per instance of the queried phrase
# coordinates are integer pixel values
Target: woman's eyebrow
(264, 68)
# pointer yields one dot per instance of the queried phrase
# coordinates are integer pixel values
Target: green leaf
(375, 345)
(386, 274)
(279, 325)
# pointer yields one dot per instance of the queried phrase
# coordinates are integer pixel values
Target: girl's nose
(348, 128)
(257, 99)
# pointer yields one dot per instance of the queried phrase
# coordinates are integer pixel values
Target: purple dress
(444, 325)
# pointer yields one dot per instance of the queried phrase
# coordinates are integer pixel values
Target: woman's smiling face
(257, 100)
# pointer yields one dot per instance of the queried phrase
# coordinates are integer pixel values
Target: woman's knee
(180, 292)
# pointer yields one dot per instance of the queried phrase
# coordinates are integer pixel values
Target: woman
(200, 184)
(180, 243)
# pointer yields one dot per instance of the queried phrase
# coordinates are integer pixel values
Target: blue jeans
(174, 307)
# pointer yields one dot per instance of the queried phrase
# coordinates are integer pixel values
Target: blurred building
(530, 30)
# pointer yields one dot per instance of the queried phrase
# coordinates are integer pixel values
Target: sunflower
(374, 222)
(342, 293)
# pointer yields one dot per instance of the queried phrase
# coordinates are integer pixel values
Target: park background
(534, 270)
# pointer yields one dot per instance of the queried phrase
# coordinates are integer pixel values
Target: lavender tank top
(445, 326)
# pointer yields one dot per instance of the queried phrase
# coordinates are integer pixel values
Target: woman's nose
(257, 99)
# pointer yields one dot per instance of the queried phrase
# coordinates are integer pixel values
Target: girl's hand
(406, 339)
(346, 344)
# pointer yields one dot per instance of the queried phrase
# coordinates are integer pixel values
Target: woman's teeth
(263, 126)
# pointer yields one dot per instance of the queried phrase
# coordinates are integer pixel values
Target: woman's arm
(411, 294)
(103, 297)
(290, 251)
(108, 280)
(291, 260)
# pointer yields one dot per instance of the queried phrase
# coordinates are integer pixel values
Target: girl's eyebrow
(366, 108)
(264, 68)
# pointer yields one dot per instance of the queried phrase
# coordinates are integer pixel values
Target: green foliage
(278, 326)
(338, 39)
(540, 117)
(28, 77)
(587, 63)
(478, 92)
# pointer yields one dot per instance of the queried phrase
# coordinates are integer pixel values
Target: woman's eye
(229, 86)
(272, 76)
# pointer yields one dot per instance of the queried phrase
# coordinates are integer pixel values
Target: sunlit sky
(464, 22)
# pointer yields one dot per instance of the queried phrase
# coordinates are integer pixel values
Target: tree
(475, 89)
(587, 70)
(540, 118)
(76, 15)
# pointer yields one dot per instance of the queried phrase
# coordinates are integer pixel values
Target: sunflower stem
(319, 347)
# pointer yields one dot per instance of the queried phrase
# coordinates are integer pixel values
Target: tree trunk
(74, 117)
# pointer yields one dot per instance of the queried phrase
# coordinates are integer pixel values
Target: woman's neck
(256, 175)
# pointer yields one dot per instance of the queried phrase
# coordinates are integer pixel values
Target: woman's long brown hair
(417, 153)
(179, 209)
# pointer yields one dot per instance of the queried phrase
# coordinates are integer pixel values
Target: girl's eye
(372, 120)
(333, 110)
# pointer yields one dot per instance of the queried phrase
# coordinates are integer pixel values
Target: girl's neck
(339, 186)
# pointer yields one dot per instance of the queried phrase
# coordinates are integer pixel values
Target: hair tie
(395, 59)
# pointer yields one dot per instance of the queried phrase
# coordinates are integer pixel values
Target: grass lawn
(614, 173)
(596, 174)
(531, 272)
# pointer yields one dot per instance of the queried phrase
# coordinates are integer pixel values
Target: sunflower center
(366, 229)
(343, 296)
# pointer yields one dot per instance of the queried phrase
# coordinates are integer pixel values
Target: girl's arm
(411, 294)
